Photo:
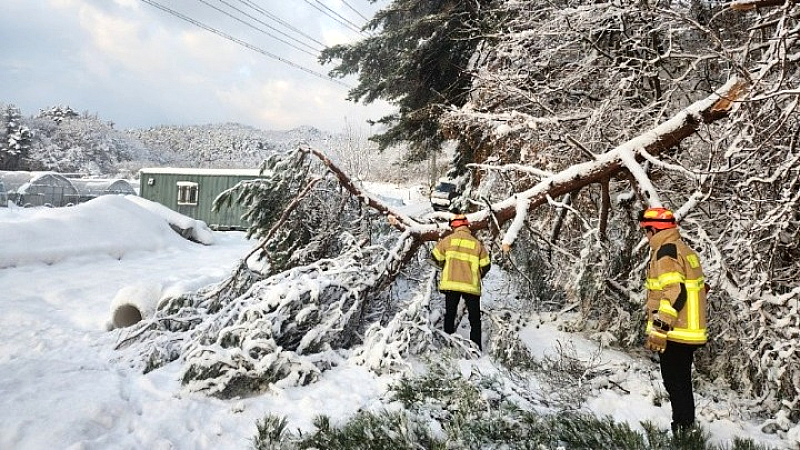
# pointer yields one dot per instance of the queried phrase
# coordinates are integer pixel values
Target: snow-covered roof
(194, 171)
(20, 181)
(92, 185)
(14, 179)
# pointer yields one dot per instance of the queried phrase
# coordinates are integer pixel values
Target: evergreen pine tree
(58, 113)
(16, 139)
(419, 60)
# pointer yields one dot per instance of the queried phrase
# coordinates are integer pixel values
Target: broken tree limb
(395, 217)
(665, 136)
(708, 110)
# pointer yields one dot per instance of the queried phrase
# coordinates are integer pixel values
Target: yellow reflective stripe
(466, 243)
(688, 335)
(693, 309)
(697, 336)
(663, 280)
(447, 285)
(693, 313)
(462, 256)
(438, 255)
(695, 284)
(693, 288)
(484, 262)
(665, 307)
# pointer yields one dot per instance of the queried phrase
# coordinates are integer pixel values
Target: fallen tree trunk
(665, 136)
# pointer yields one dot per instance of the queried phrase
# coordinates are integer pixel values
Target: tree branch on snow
(605, 206)
(387, 348)
(403, 222)
(512, 167)
(284, 328)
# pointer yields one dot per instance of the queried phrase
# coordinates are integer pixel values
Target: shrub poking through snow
(442, 409)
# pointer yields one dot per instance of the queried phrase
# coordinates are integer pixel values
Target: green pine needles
(443, 410)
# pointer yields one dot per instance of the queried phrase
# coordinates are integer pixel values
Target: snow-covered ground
(63, 385)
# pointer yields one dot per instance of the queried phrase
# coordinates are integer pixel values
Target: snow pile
(195, 230)
(110, 225)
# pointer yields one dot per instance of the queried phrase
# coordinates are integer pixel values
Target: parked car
(443, 195)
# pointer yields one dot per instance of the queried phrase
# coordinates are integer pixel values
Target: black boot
(686, 432)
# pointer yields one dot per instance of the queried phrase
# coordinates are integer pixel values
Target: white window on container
(188, 193)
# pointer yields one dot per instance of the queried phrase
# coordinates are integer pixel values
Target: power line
(243, 43)
(333, 15)
(279, 20)
(345, 19)
(354, 10)
(258, 29)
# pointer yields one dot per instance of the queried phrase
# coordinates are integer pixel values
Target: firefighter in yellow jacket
(464, 261)
(676, 310)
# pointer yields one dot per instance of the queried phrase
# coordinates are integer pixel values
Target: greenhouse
(93, 188)
(39, 188)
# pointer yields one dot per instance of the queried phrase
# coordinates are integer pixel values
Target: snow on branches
(611, 82)
(389, 348)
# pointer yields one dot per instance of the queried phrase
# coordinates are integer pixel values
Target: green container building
(191, 192)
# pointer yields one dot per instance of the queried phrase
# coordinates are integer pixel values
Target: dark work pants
(676, 369)
(473, 302)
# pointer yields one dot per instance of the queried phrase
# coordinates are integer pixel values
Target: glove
(656, 340)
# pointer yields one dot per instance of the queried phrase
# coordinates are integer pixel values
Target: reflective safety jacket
(676, 291)
(464, 260)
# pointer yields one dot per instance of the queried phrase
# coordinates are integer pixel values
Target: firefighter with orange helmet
(464, 262)
(676, 310)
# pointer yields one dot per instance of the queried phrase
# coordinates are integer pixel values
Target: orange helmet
(658, 218)
(459, 220)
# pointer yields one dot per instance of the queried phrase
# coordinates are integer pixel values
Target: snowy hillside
(61, 140)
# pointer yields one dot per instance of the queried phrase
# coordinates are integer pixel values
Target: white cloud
(289, 103)
(140, 66)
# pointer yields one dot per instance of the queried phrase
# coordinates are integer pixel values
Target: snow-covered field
(63, 385)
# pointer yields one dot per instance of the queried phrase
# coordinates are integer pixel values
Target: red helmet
(658, 218)
(459, 220)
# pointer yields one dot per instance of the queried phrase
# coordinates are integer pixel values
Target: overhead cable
(243, 43)
(256, 28)
(354, 10)
(335, 16)
(277, 19)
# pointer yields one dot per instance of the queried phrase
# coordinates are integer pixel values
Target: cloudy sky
(137, 65)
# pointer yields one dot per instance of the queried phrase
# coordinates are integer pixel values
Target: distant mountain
(228, 145)
(72, 143)
(62, 140)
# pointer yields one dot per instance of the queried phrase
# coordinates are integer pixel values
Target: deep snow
(63, 386)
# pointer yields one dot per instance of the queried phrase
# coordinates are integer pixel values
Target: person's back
(464, 258)
(464, 261)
